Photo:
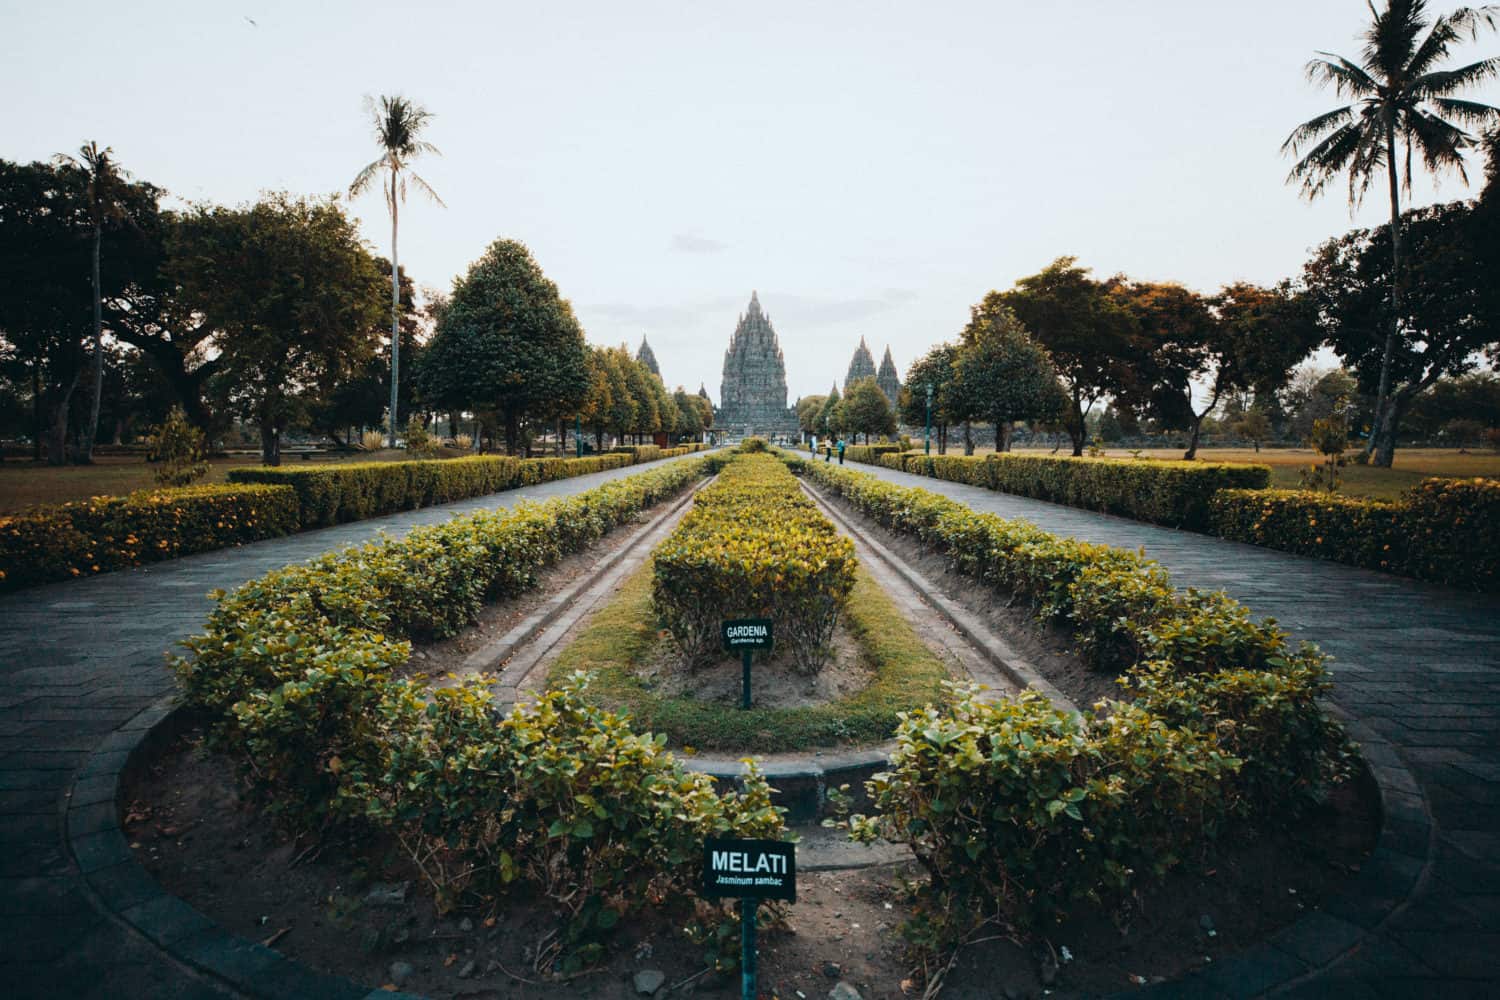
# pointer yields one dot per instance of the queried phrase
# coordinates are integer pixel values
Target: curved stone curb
(1293, 959)
(802, 780)
(123, 889)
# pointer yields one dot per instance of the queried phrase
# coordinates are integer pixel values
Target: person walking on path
(841, 451)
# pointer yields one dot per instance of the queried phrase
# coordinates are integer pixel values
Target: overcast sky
(871, 168)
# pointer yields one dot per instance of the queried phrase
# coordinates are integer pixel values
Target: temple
(888, 380)
(862, 365)
(647, 357)
(752, 396)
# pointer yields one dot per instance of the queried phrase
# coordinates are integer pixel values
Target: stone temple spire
(887, 379)
(862, 365)
(647, 357)
(753, 392)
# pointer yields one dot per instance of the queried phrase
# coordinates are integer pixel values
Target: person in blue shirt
(841, 451)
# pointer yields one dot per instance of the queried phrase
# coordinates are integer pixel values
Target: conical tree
(398, 127)
(1399, 95)
(105, 181)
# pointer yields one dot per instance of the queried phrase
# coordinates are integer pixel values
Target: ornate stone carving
(862, 365)
(752, 396)
(647, 357)
(887, 379)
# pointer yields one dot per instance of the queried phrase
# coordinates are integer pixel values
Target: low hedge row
(353, 491)
(870, 453)
(651, 452)
(1443, 530)
(1175, 494)
(1021, 806)
(84, 537)
(753, 546)
(296, 670)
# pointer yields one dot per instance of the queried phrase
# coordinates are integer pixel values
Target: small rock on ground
(387, 894)
(401, 971)
(648, 981)
(843, 991)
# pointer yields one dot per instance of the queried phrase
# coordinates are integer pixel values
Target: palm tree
(398, 125)
(1398, 95)
(105, 179)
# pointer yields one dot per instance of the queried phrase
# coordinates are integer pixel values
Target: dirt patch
(776, 681)
(1049, 648)
(197, 830)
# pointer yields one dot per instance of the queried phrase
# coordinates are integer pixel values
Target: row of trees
(273, 314)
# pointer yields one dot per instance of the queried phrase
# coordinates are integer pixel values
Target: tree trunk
(57, 428)
(1383, 435)
(1002, 437)
(85, 454)
(1076, 427)
(1192, 449)
(395, 317)
(512, 434)
(968, 438)
(38, 430)
(270, 443)
(1383, 390)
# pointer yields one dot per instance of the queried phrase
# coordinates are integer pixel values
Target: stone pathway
(1419, 666)
(77, 660)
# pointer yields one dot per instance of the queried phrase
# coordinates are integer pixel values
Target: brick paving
(77, 660)
(1417, 665)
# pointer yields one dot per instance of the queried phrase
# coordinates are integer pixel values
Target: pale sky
(871, 168)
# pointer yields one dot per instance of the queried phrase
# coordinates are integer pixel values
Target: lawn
(1412, 466)
(26, 483)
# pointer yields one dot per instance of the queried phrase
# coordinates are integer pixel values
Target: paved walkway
(77, 660)
(1417, 664)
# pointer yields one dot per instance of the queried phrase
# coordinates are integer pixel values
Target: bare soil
(778, 683)
(197, 829)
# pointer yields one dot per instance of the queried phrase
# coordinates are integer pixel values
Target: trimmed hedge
(83, 537)
(295, 672)
(1175, 494)
(1224, 722)
(753, 546)
(870, 453)
(1443, 530)
(333, 494)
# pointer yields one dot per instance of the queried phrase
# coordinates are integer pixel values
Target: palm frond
(365, 177)
(1471, 113)
(1326, 160)
(1440, 143)
(1442, 84)
(426, 189)
(1315, 128)
(1348, 79)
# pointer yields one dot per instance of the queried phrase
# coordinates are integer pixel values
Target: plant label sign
(750, 869)
(745, 634)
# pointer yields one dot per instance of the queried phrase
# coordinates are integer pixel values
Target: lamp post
(927, 442)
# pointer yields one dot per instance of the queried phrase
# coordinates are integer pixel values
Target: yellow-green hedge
(753, 546)
(353, 491)
(104, 533)
(1175, 494)
(1443, 530)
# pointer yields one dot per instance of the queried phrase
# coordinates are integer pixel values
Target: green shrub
(753, 546)
(177, 449)
(1224, 721)
(869, 453)
(1443, 530)
(83, 537)
(1018, 809)
(295, 670)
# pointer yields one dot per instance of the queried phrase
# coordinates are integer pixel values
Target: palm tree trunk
(395, 316)
(1374, 447)
(86, 451)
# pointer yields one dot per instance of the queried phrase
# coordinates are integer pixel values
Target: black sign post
(752, 870)
(745, 636)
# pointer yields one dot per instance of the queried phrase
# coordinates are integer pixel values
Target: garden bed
(200, 831)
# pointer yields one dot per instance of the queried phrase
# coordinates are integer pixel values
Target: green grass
(623, 636)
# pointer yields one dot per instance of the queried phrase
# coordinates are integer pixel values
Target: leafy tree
(399, 125)
(935, 368)
(866, 410)
(1083, 329)
(1450, 310)
(647, 404)
(293, 295)
(1400, 95)
(106, 182)
(809, 409)
(1475, 396)
(46, 295)
(690, 414)
(507, 341)
(830, 420)
(177, 448)
(624, 409)
(1254, 426)
(1002, 375)
(1245, 338)
(597, 402)
(1313, 394)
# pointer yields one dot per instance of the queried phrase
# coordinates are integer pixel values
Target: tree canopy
(1001, 374)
